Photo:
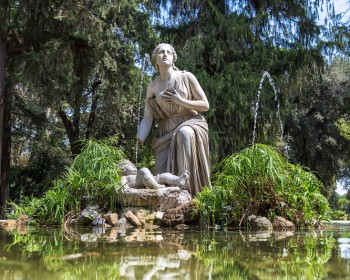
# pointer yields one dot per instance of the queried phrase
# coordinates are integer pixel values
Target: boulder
(282, 223)
(132, 218)
(89, 214)
(111, 218)
(259, 223)
(184, 214)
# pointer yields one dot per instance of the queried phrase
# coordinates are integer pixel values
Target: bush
(259, 181)
(93, 177)
(339, 215)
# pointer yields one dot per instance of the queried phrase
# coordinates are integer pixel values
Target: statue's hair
(154, 55)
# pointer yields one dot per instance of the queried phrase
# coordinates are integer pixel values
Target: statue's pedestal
(155, 199)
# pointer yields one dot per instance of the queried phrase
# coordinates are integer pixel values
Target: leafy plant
(93, 177)
(259, 181)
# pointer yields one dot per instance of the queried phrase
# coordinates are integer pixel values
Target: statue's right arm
(147, 121)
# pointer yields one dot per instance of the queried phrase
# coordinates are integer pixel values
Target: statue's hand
(139, 140)
(172, 96)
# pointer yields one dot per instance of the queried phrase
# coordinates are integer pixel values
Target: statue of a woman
(175, 98)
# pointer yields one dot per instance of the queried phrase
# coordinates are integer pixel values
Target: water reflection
(344, 247)
(174, 254)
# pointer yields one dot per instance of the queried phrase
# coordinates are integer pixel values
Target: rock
(98, 221)
(111, 218)
(89, 214)
(184, 197)
(8, 223)
(146, 216)
(282, 223)
(183, 214)
(22, 220)
(259, 223)
(133, 219)
(123, 223)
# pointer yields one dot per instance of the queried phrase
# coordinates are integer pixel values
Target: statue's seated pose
(143, 178)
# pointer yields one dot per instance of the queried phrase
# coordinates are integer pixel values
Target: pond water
(57, 253)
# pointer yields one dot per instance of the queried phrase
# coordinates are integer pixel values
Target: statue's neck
(166, 73)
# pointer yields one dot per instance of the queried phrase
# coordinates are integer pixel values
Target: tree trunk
(72, 132)
(93, 108)
(4, 189)
(6, 147)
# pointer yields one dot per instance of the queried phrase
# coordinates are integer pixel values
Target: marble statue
(174, 98)
(143, 178)
(140, 188)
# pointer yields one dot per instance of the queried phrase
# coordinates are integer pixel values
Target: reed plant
(93, 178)
(258, 180)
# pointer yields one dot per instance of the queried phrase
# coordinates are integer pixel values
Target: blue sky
(340, 6)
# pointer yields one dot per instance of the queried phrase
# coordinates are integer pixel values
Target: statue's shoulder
(152, 87)
(188, 75)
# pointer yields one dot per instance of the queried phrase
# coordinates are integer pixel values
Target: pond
(98, 253)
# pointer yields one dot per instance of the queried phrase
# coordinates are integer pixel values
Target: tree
(71, 55)
(228, 45)
(316, 104)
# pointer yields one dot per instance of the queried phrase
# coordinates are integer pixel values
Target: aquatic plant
(258, 180)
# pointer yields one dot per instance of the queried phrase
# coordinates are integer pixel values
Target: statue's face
(165, 55)
(129, 169)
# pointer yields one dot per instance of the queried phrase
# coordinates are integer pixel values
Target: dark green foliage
(228, 45)
(316, 104)
(259, 181)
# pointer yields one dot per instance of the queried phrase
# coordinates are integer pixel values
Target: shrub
(259, 181)
(93, 177)
(339, 215)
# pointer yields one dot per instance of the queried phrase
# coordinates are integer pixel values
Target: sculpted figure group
(175, 99)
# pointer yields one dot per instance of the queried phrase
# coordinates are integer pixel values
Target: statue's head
(127, 167)
(154, 55)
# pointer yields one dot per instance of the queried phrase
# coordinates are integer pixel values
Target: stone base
(156, 199)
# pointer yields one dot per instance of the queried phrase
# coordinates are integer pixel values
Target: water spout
(257, 104)
(145, 63)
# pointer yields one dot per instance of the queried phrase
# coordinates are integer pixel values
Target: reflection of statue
(174, 98)
(143, 178)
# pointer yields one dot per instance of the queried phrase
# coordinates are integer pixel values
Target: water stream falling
(266, 75)
(145, 63)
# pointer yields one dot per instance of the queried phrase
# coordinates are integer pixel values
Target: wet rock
(146, 216)
(98, 221)
(133, 219)
(123, 223)
(184, 214)
(259, 223)
(89, 214)
(111, 218)
(281, 223)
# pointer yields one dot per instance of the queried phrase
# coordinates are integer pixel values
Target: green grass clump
(258, 180)
(93, 178)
